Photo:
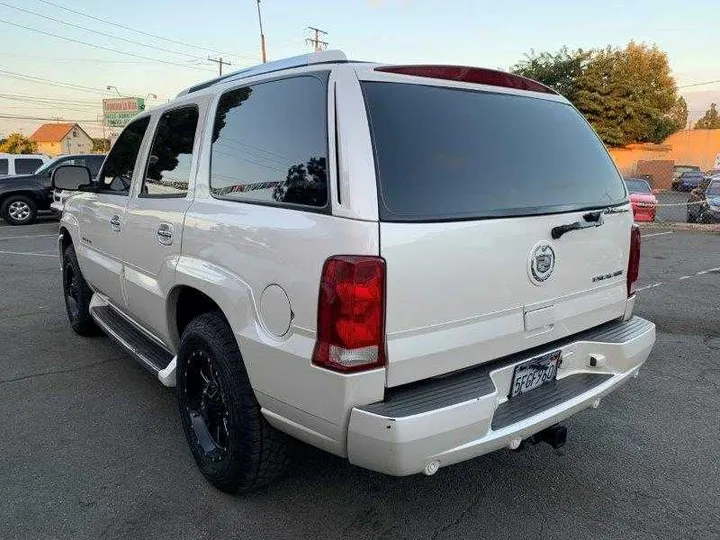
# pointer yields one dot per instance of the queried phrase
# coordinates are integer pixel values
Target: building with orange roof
(56, 139)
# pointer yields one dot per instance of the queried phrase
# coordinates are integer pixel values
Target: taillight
(634, 262)
(351, 314)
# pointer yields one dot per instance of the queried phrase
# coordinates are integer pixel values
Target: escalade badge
(541, 263)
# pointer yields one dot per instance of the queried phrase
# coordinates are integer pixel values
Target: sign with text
(119, 111)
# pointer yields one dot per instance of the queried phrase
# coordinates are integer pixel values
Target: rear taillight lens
(634, 262)
(351, 314)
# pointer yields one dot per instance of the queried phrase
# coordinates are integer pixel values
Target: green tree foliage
(710, 120)
(15, 143)
(627, 94)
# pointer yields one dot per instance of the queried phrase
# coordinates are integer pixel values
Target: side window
(168, 169)
(4, 166)
(269, 143)
(116, 175)
(27, 166)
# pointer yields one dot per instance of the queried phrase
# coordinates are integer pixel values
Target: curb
(702, 227)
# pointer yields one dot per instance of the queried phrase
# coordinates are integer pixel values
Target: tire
(77, 295)
(19, 210)
(233, 445)
(691, 217)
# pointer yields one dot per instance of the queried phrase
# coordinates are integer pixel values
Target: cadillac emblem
(541, 263)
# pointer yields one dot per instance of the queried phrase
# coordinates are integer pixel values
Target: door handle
(115, 223)
(165, 234)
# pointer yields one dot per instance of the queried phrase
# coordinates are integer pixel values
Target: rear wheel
(691, 218)
(19, 210)
(232, 443)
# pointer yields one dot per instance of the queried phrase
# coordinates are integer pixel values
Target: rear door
(472, 185)
(155, 214)
(103, 215)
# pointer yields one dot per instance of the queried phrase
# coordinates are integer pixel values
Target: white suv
(407, 266)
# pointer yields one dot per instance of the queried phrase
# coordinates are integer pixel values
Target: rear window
(3, 166)
(446, 154)
(638, 186)
(27, 165)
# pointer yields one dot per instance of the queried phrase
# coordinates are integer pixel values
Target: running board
(146, 351)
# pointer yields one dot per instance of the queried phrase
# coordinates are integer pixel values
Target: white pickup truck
(407, 266)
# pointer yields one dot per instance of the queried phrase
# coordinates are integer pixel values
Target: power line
(86, 29)
(100, 46)
(45, 118)
(699, 84)
(118, 25)
(41, 80)
(57, 60)
(27, 97)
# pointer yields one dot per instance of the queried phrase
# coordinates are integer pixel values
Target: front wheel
(77, 295)
(233, 445)
(19, 210)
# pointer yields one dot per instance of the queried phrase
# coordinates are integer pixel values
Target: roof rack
(321, 57)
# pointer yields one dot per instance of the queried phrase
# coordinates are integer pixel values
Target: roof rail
(321, 57)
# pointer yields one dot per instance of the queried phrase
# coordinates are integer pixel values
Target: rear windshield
(638, 186)
(447, 154)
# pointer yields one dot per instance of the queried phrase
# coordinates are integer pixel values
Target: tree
(100, 145)
(15, 143)
(627, 94)
(710, 120)
(559, 70)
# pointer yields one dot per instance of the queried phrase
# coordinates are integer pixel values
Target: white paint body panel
(459, 293)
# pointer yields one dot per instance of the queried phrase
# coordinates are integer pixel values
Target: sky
(469, 32)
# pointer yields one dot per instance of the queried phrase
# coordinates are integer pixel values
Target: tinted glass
(692, 174)
(638, 186)
(3, 166)
(270, 143)
(168, 169)
(27, 166)
(444, 154)
(713, 190)
(683, 168)
(116, 175)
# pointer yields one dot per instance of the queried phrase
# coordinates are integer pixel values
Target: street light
(151, 95)
(111, 87)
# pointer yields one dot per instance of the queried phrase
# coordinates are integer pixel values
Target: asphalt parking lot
(91, 446)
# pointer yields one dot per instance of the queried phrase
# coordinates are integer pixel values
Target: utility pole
(220, 62)
(316, 42)
(262, 35)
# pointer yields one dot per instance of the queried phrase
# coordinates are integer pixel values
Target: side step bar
(146, 351)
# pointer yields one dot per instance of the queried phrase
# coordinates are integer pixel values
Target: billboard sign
(119, 111)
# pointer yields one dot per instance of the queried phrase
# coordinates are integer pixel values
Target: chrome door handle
(115, 223)
(165, 234)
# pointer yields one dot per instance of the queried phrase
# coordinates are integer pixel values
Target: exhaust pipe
(555, 436)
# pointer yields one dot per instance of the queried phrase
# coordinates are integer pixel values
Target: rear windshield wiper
(591, 219)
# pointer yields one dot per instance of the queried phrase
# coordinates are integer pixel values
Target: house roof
(53, 132)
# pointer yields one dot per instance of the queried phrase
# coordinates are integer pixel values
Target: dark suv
(704, 203)
(21, 197)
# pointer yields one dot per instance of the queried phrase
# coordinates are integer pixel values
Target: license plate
(534, 373)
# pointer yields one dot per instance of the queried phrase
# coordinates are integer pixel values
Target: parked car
(688, 181)
(294, 250)
(704, 203)
(16, 164)
(712, 172)
(22, 197)
(679, 169)
(92, 161)
(644, 203)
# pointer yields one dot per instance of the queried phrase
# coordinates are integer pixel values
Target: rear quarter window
(447, 154)
(27, 166)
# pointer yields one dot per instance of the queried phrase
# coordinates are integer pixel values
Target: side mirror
(71, 177)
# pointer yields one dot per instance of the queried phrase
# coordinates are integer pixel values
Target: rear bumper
(467, 414)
